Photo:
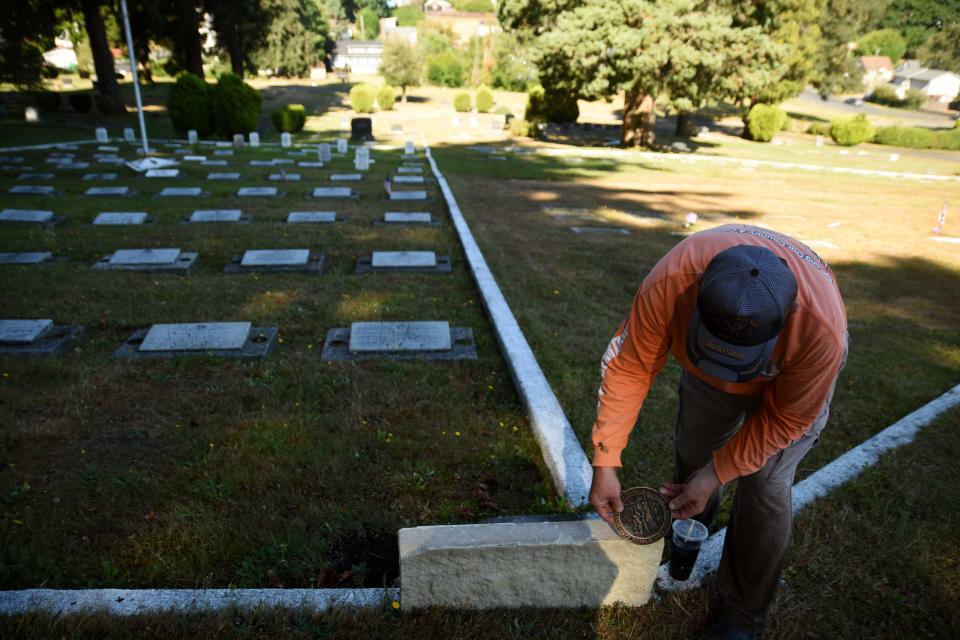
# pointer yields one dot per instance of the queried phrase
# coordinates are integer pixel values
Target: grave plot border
(54, 343)
(314, 267)
(364, 265)
(336, 347)
(184, 265)
(260, 342)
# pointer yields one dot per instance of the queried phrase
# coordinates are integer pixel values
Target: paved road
(907, 116)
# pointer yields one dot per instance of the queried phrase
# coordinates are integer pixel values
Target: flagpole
(136, 76)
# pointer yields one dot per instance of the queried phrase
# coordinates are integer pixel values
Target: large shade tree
(401, 66)
(24, 35)
(672, 52)
(242, 27)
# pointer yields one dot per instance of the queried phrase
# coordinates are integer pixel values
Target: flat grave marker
(306, 164)
(108, 148)
(161, 173)
(189, 192)
(402, 179)
(409, 170)
(403, 259)
(120, 217)
(36, 337)
(601, 230)
(346, 177)
(26, 257)
(214, 163)
(108, 191)
(224, 339)
(258, 192)
(99, 176)
(408, 195)
(277, 261)
(31, 190)
(26, 215)
(193, 158)
(430, 340)
(285, 177)
(306, 217)
(261, 163)
(332, 192)
(400, 217)
(36, 176)
(149, 260)
(223, 176)
(223, 152)
(23, 331)
(218, 215)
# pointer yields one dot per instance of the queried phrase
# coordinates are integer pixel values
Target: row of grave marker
(196, 192)
(206, 215)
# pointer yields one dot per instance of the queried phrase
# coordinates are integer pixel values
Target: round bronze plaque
(645, 517)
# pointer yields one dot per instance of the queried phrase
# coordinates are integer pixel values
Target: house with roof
(876, 70)
(358, 56)
(940, 86)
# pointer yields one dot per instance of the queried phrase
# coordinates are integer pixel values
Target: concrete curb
(827, 478)
(561, 449)
(126, 602)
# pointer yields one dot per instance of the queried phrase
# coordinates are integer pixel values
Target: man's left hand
(696, 492)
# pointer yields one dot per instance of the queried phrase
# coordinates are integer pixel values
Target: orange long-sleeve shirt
(794, 386)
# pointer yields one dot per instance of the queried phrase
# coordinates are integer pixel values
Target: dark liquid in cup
(682, 561)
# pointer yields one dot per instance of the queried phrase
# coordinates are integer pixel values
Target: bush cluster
(386, 97)
(235, 106)
(80, 102)
(189, 105)
(523, 128)
(763, 122)
(48, 100)
(919, 138)
(887, 95)
(852, 130)
(484, 99)
(445, 69)
(461, 102)
(551, 106)
(362, 97)
(289, 118)
(819, 129)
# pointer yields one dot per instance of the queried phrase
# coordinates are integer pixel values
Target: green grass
(289, 470)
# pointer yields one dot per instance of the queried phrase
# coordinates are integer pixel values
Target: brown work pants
(755, 548)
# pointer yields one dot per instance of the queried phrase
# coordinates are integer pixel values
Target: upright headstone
(323, 152)
(408, 148)
(102, 135)
(361, 129)
(129, 135)
(819, 142)
(894, 157)
(342, 146)
(285, 140)
(30, 114)
(254, 138)
(238, 141)
(361, 164)
(192, 136)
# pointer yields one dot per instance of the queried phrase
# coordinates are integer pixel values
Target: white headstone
(28, 257)
(408, 179)
(181, 191)
(254, 138)
(121, 217)
(455, 122)
(108, 191)
(129, 135)
(819, 142)
(342, 146)
(397, 216)
(361, 164)
(257, 191)
(192, 136)
(403, 259)
(323, 152)
(196, 337)
(238, 140)
(408, 148)
(362, 152)
(23, 331)
(30, 114)
(223, 176)
(409, 169)
(285, 140)
(474, 122)
(372, 337)
(31, 190)
(144, 256)
(162, 173)
(216, 215)
(332, 192)
(275, 257)
(894, 157)
(408, 195)
(102, 136)
(345, 177)
(311, 216)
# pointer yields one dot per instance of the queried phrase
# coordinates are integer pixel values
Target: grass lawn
(116, 457)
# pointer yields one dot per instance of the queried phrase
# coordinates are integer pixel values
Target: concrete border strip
(126, 602)
(824, 480)
(51, 145)
(561, 449)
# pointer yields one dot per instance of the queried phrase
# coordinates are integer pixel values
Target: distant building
(940, 86)
(465, 24)
(437, 6)
(877, 70)
(389, 29)
(359, 56)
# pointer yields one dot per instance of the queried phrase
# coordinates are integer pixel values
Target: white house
(360, 56)
(940, 86)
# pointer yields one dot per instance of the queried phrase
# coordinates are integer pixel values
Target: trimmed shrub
(851, 131)
(189, 105)
(763, 121)
(386, 97)
(523, 128)
(504, 110)
(885, 94)
(461, 102)
(235, 106)
(819, 129)
(289, 118)
(104, 104)
(551, 106)
(48, 100)
(913, 137)
(949, 140)
(362, 97)
(484, 99)
(80, 102)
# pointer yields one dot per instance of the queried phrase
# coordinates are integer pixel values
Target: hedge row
(228, 107)
(289, 118)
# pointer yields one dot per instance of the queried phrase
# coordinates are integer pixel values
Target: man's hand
(690, 499)
(605, 493)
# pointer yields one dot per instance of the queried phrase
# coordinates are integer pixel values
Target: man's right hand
(605, 493)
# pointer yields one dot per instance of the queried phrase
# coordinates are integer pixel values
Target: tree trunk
(102, 57)
(236, 60)
(403, 95)
(189, 40)
(639, 119)
(685, 126)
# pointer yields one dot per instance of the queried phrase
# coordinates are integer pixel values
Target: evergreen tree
(841, 22)
(298, 38)
(942, 50)
(24, 35)
(242, 27)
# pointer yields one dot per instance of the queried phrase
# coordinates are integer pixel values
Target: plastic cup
(688, 537)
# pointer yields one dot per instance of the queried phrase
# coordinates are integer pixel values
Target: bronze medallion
(645, 517)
